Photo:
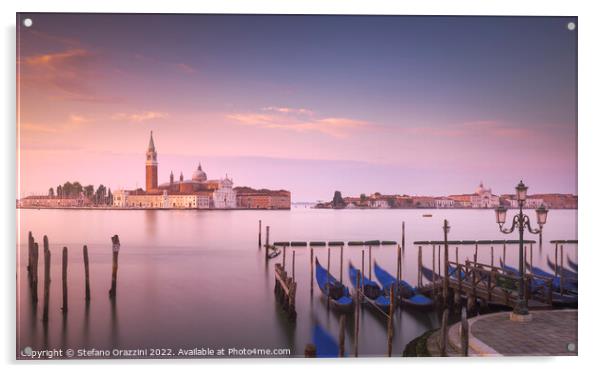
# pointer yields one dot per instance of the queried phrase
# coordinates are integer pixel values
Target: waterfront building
(444, 203)
(53, 202)
(195, 193)
(263, 199)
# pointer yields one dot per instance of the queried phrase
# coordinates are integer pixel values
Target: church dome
(481, 189)
(199, 174)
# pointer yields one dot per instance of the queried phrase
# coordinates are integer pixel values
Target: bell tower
(151, 166)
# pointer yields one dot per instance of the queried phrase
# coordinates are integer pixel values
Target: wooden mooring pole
(561, 269)
(341, 266)
(419, 279)
(531, 258)
(46, 279)
(446, 229)
(369, 263)
(87, 273)
(259, 239)
(362, 284)
(284, 257)
(556, 259)
(267, 235)
(293, 265)
(65, 300)
(116, 245)
(311, 271)
(34, 283)
(504, 255)
(403, 236)
(357, 315)
(476, 253)
(443, 333)
(390, 321)
(30, 242)
(464, 333)
(342, 336)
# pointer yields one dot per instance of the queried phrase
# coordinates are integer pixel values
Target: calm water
(196, 279)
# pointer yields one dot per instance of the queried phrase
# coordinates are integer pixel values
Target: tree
(109, 197)
(77, 189)
(101, 194)
(67, 189)
(51, 193)
(337, 200)
(89, 190)
(391, 202)
(59, 191)
(363, 198)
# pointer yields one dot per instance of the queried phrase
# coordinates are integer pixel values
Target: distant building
(263, 199)
(424, 202)
(482, 198)
(195, 193)
(53, 202)
(444, 203)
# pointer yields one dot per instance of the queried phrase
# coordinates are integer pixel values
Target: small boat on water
(409, 295)
(370, 288)
(427, 215)
(326, 345)
(335, 292)
(573, 265)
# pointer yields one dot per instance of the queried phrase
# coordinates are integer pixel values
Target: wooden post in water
(369, 263)
(419, 266)
(357, 314)
(30, 257)
(446, 262)
(259, 239)
(476, 252)
(439, 261)
(87, 273)
(311, 271)
(293, 264)
(556, 259)
(398, 278)
(457, 263)
(267, 235)
(504, 254)
(46, 279)
(342, 335)
(390, 323)
(328, 282)
(341, 266)
(116, 246)
(492, 263)
(434, 270)
(65, 302)
(362, 269)
(283, 257)
(464, 333)
(34, 276)
(403, 236)
(561, 269)
(443, 333)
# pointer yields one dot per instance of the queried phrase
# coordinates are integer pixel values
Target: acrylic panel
(284, 186)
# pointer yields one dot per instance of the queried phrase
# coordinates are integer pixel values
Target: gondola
(558, 299)
(274, 251)
(567, 284)
(326, 345)
(335, 292)
(573, 265)
(370, 288)
(430, 275)
(410, 296)
(566, 273)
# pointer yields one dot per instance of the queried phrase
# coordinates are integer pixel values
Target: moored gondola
(335, 292)
(370, 289)
(407, 294)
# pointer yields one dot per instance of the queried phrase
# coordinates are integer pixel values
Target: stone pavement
(549, 333)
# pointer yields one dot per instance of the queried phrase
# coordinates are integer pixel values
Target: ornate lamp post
(521, 221)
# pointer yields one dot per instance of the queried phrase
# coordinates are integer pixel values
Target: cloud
(69, 74)
(299, 120)
(140, 117)
(288, 110)
(185, 68)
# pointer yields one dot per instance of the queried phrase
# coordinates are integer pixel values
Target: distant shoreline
(264, 209)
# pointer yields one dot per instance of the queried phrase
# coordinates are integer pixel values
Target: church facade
(197, 192)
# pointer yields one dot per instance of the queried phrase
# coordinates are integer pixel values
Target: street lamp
(521, 221)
